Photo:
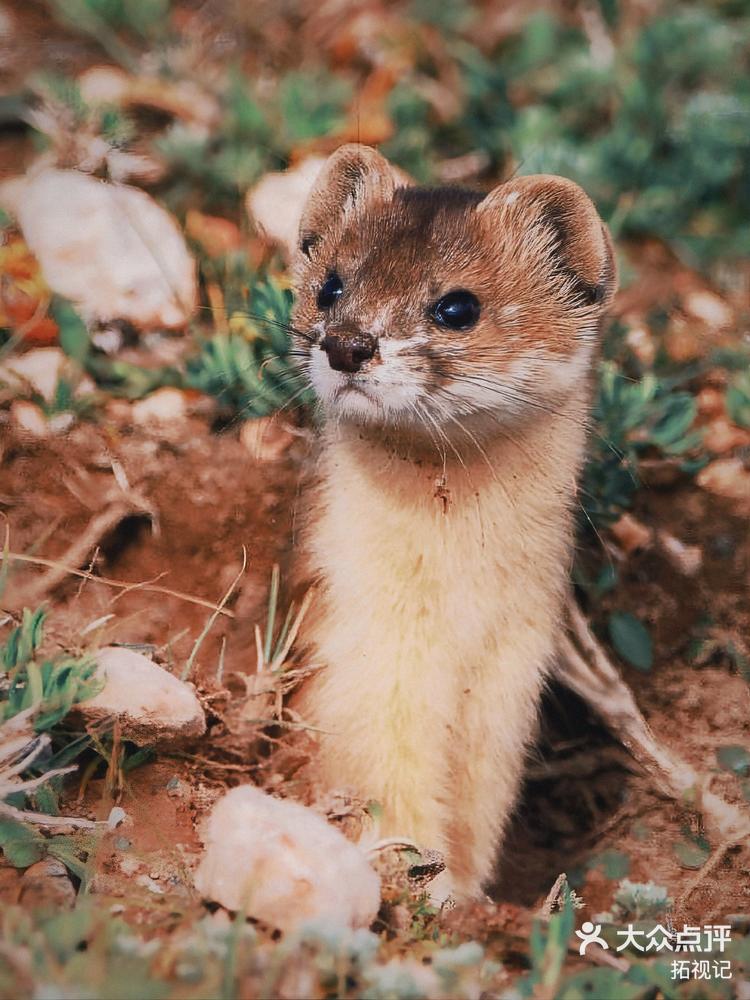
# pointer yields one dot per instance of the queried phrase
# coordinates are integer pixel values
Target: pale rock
(407, 976)
(161, 407)
(109, 248)
(46, 884)
(117, 815)
(728, 478)
(708, 308)
(282, 863)
(105, 85)
(151, 704)
(641, 342)
(38, 370)
(61, 423)
(276, 202)
(686, 559)
(130, 865)
(151, 884)
(28, 419)
(720, 435)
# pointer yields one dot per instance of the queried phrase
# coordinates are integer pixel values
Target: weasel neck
(538, 458)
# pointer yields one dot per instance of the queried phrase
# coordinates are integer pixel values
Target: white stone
(163, 406)
(38, 370)
(709, 309)
(151, 704)
(27, 418)
(275, 203)
(116, 816)
(282, 863)
(103, 85)
(728, 478)
(109, 248)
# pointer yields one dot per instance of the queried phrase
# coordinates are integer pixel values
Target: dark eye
(330, 290)
(457, 310)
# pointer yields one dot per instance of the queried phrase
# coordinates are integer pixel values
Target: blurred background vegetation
(646, 104)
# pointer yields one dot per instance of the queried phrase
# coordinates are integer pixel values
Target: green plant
(36, 693)
(652, 122)
(254, 134)
(548, 951)
(50, 687)
(249, 367)
(711, 643)
(631, 640)
(103, 20)
(630, 419)
(224, 162)
(638, 901)
(738, 399)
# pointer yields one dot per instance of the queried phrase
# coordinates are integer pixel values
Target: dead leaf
(631, 534)
(217, 236)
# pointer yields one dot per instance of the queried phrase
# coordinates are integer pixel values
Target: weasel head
(427, 307)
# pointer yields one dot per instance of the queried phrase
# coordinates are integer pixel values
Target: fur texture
(440, 530)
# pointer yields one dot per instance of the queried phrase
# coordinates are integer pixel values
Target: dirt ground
(204, 497)
(197, 496)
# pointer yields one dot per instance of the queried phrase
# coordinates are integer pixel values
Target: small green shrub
(51, 687)
(249, 369)
(631, 418)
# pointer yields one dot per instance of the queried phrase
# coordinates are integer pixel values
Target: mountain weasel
(450, 338)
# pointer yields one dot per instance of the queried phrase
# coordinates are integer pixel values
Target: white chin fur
(386, 391)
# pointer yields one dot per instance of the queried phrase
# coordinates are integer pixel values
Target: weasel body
(450, 340)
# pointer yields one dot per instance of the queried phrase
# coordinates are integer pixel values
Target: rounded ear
(351, 176)
(570, 233)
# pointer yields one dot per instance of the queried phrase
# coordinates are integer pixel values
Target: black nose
(347, 353)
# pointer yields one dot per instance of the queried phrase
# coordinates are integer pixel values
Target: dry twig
(547, 908)
(109, 582)
(20, 746)
(97, 529)
(587, 670)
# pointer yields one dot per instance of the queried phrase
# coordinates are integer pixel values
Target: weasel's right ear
(351, 176)
(559, 224)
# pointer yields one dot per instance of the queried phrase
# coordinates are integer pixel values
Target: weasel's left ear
(352, 176)
(559, 216)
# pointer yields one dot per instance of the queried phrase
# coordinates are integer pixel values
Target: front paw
(442, 891)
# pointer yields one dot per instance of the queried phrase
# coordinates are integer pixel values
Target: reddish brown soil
(570, 818)
(209, 498)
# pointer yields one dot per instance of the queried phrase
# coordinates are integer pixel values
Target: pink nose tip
(347, 353)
